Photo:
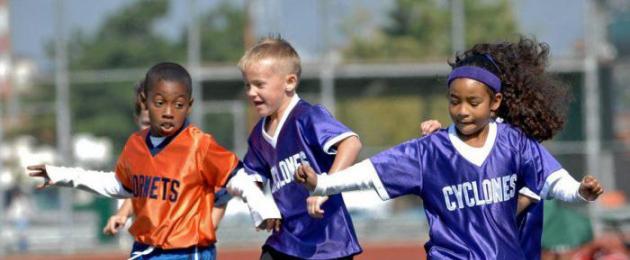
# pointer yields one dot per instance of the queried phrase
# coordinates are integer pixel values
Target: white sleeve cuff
(361, 176)
(102, 183)
(260, 207)
(328, 146)
(528, 193)
(562, 186)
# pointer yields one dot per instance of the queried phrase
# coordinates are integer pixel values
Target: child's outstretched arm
(562, 186)
(565, 188)
(102, 183)
(347, 151)
(265, 213)
(361, 176)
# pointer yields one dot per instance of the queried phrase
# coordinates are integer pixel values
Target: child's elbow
(355, 143)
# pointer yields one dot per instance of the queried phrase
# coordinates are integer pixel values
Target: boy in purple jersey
(469, 175)
(292, 131)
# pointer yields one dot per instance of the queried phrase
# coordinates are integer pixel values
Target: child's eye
(179, 105)
(159, 103)
(453, 101)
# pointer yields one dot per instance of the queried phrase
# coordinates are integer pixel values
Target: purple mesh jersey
(306, 132)
(470, 194)
(530, 226)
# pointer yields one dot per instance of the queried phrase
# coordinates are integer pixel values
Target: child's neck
(477, 139)
(273, 120)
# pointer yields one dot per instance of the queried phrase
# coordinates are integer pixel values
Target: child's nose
(463, 112)
(168, 112)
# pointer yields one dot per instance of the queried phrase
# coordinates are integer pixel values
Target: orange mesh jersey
(173, 190)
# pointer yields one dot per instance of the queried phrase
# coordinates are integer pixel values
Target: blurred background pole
(5, 57)
(249, 36)
(64, 153)
(194, 62)
(327, 70)
(458, 25)
(2, 190)
(591, 99)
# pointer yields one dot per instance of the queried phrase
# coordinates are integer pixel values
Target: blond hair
(276, 48)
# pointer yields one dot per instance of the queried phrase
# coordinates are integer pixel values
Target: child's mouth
(167, 127)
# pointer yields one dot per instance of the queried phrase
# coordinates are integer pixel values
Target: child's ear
(190, 103)
(291, 82)
(496, 102)
(142, 99)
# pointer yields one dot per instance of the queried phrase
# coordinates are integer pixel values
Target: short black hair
(167, 71)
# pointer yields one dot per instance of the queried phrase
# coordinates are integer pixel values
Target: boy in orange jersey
(125, 211)
(170, 171)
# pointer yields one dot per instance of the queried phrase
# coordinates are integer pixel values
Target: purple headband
(478, 74)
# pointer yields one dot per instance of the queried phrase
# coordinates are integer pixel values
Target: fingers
(278, 223)
(270, 225)
(424, 128)
(41, 186)
(114, 224)
(39, 170)
(313, 205)
(429, 126)
(109, 229)
(37, 167)
(300, 175)
(263, 225)
(592, 188)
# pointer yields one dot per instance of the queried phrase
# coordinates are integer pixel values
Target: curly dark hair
(533, 100)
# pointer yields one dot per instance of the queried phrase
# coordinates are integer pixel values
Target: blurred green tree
(127, 39)
(417, 31)
(420, 30)
(131, 38)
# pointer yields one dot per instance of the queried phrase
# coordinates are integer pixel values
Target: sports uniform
(172, 186)
(469, 193)
(305, 133)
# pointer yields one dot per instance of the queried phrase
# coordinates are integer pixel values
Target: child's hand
(314, 204)
(114, 223)
(39, 170)
(590, 188)
(307, 176)
(429, 126)
(270, 224)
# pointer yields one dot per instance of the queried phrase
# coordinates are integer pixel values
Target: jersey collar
(475, 155)
(273, 140)
(155, 150)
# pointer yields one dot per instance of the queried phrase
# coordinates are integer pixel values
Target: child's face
(471, 105)
(168, 104)
(267, 88)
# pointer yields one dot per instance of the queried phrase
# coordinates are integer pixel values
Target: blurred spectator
(18, 216)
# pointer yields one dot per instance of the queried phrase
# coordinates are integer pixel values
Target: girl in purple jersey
(469, 174)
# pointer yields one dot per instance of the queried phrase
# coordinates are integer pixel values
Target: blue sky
(32, 21)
